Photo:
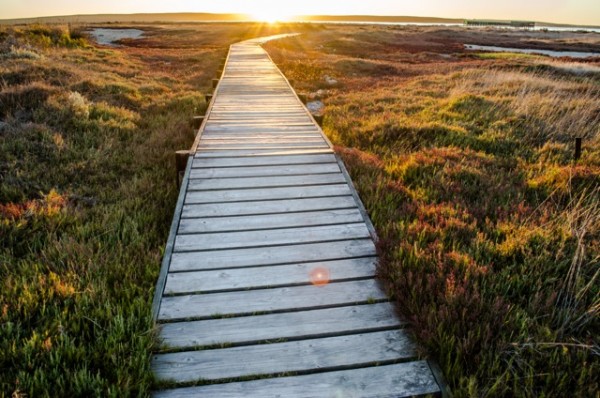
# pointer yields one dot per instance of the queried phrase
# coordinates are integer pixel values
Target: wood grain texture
(261, 277)
(267, 207)
(262, 256)
(265, 182)
(297, 356)
(238, 195)
(265, 171)
(387, 381)
(289, 325)
(263, 161)
(202, 153)
(274, 237)
(269, 221)
(198, 306)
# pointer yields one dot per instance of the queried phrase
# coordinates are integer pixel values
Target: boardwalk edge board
(268, 285)
(166, 263)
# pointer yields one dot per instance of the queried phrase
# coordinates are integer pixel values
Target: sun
(270, 16)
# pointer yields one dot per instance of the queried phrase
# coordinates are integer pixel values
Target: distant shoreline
(212, 18)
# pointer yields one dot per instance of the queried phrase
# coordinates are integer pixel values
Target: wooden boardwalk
(268, 286)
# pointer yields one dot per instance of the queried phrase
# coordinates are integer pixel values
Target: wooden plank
(387, 381)
(198, 306)
(269, 237)
(297, 356)
(251, 128)
(269, 145)
(239, 258)
(273, 276)
(289, 325)
(265, 182)
(269, 221)
(202, 154)
(263, 160)
(265, 171)
(236, 195)
(232, 124)
(267, 207)
(243, 136)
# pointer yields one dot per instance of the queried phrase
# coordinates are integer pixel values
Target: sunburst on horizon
(269, 16)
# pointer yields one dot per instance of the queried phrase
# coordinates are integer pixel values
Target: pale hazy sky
(565, 11)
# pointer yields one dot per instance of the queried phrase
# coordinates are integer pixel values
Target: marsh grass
(489, 229)
(87, 192)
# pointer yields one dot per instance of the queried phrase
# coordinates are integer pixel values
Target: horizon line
(291, 19)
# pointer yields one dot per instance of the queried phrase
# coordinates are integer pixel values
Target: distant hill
(206, 17)
(112, 18)
(374, 18)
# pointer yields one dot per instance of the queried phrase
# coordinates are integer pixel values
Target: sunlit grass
(489, 228)
(87, 192)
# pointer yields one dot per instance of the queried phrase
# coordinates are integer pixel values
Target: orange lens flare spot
(319, 276)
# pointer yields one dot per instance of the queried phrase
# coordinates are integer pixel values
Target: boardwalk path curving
(268, 286)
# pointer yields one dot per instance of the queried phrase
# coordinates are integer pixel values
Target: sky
(584, 12)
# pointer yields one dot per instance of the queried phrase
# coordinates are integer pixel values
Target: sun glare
(270, 16)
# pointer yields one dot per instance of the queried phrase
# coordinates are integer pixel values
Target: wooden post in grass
(319, 119)
(291, 81)
(215, 82)
(181, 159)
(303, 98)
(577, 148)
(208, 97)
(197, 122)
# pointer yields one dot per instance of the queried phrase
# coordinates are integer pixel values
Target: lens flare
(319, 276)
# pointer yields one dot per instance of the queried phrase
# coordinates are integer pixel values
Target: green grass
(87, 193)
(489, 229)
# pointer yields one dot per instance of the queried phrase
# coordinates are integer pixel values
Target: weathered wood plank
(212, 153)
(289, 325)
(296, 356)
(222, 259)
(269, 143)
(266, 182)
(263, 161)
(269, 146)
(271, 276)
(265, 171)
(269, 237)
(267, 207)
(236, 195)
(387, 381)
(269, 300)
(269, 221)
(259, 128)
(262, 137)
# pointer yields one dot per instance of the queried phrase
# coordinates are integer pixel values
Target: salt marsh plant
(489, 228)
